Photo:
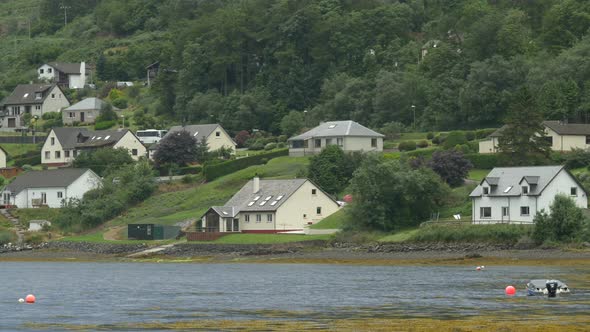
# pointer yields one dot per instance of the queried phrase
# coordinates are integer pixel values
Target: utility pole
(65, 8)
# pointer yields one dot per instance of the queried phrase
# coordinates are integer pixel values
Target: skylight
(256, 198)
(279, 198)
(26, 95)
(99, 137)
(507, 189)
(93, 137)
(224, 213)
(196, 133)
(107, 137)
(262, 203)
(274, 203)
(267, 198)
(332, 126)
(251, 203)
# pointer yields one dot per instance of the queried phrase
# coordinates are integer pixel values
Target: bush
(577, 158)
(281, 145)
(509, 234)
(33, 160)
(423, 153)
(213, 171)
(470, 135)
(190, 170)
(422, 144)
(454, 138)
(407, 146)
(6, 237)
(257, 145)
(120, 103)
(563, 224)
(484, 161)
(483, 133)
(270, 146)
(104, 125)
(438, 139)
(430, 136)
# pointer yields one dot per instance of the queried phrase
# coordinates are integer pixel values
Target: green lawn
(26, 215)
(477, 174)
(170, 208)
(333, 221)
(18, 149)
(266, 238)
(97, 237)
(400, 236)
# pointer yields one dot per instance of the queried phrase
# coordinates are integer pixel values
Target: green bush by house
(104, 125)
(212, 172)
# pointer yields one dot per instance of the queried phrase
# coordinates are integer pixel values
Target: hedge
(486, 161)
(104, 125)
(33, 160)
(190, 170)
(212, 172)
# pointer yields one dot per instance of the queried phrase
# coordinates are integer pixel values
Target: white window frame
(246, 218)
(269, 217)
(258, 218)
(528, 211)
(482, 213)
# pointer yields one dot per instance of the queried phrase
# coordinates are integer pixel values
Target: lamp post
(414, 113)
(305, 118)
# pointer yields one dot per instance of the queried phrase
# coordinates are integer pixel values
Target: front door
(236, 225)
(81, 116)
(11, 122)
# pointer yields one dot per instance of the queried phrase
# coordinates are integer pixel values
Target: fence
(22, 139)
(506, 222)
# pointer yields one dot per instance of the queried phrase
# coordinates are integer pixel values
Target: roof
(338, 128)
(568, 128)
(100, 138)
(198, 131)
(89, 104)
(66, 68)
(68, 137)
(271, 189)
(509, 178)
(61, 177)
(27, 94)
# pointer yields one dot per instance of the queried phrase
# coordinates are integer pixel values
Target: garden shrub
(422, 144)
(407, 146)
(104, 125)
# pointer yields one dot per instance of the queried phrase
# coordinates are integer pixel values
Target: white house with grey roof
(63, 144)
(270, 206)
(85, 111)
(34, 99)
(517, 194)
(215, 136)
(49, 188)
(348, 135)
(69, 75)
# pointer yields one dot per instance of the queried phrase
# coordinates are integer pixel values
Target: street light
(305, 118)
(414, 112)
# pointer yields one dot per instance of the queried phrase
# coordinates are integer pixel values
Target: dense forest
(428, 64)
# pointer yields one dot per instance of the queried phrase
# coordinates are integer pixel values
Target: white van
(150, 136)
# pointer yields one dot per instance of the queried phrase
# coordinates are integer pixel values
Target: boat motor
(551, 288)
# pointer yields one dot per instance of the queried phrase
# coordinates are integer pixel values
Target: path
(15, 222)
(150, 251)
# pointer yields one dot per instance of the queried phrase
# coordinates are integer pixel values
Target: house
(63, 145)
(68, 75)
(214, 134)
(152, 72)
(562, 136)
(49, 187)
(348, 135)
(517, 194)
(270, 206)
(34, 99)
(85, 111)
(3, 157)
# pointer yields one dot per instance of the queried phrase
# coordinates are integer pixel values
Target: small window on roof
(256, 198)
(99, 137)
(107, 137)
(267, 198)
(507, 189)
(196, 133)
(278, 198)
(26, 95)
(262, 203)
(274, 203)
(251, 203)
(93, 137)
(224, 212)
(332, 126)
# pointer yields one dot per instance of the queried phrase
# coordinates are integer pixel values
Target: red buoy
(30, 298)
(510, 290)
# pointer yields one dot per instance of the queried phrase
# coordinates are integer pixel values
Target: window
(486, 190)
(524, 211)
(53, 141)
(60, 194)
(505, 211)
(75, 153)
(340, 141)
(318, 143)
(587, 139)
(304, 216)
(549, 139)
(485, 212)
(49, 70)
(507, 189)
(72, 115)
(134, 152)
(525, 190)
(38, 95)
(318, 210)
(57, 154)
(37, 107)
(314, 191)
(258, 218)
(217, 134)
(47, 155)
(574, 191)
(40, 71)
(59, 96)
(328, 141)
(67, 154)
(269, 217)
(43, 198)
(53, 96)
(247, 218)
(373, 142)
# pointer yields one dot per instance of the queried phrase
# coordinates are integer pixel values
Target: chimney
(256, 184)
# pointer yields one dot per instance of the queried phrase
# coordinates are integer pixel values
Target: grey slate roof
(66, 68)
(101, 138)
(510, 177)
(568, 128)
(68, 137)
(337, 128)
(26, 94)
(198, 131)
(268, 188)
(89, 104)
(61, 177)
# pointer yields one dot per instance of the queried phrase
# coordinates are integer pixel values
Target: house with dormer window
(517, 194)
(215, 136)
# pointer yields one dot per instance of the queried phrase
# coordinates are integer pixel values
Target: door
(11, 122)
(81, 116)
(505, 214)
(236, 225)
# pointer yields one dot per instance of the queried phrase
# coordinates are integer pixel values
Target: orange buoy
(30, 298)
(510, 290)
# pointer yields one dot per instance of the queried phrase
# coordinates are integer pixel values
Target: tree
(331, 169)
(389, 194)
(292, 123)
(241, 138)
(451, 166)
(202, 153)
(103, 161)
(523, 137)
(562, 224)
(177, 147)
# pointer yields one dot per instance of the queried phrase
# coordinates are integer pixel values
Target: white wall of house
(566, 142)
(2, 158)
(52, 151)
(300, 209)
(365, 144)
(46, 72)
(76, 81)
(489, 146)
(347, 143)
(54, 102)
(562, 184)
(218, 139)
(266, 223)
(130, 142)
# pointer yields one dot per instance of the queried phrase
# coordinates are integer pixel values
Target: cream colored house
(34, 99)
(270, 206)
(348, 135)
(214, 134)
(3, 157)
(517, 194)
(562, 136)
(63, 145)
(85, 111)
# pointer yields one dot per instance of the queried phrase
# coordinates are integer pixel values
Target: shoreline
(302, 253)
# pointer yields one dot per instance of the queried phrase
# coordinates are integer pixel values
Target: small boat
(539, 287)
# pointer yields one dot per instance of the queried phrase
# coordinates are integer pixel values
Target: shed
(152, 232)
(37, 225)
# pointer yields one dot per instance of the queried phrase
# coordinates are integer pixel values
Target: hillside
(249, 64)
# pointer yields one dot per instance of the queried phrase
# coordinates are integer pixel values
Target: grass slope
(334, 221)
